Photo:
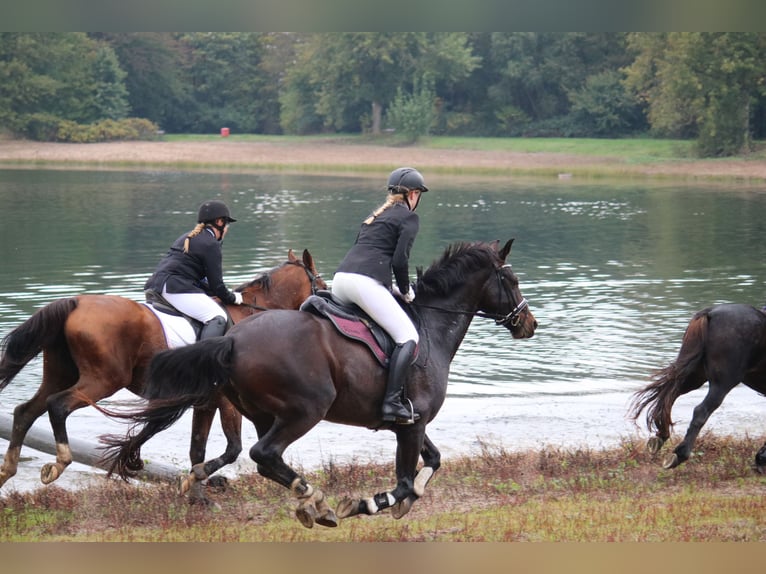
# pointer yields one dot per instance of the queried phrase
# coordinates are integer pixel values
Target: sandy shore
(333, 156)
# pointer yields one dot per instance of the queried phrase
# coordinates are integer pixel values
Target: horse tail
(669, 383)
(177, 380)
(42, 330)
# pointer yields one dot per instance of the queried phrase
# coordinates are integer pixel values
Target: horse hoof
(347, 507)
(49, 473)
(402, 507)
(219, 482)
(306, 514)
(671, 461)
(654, 444)
(328, 519)
(185, 484)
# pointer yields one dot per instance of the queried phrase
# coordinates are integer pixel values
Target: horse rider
(364, 277)
(193, 267)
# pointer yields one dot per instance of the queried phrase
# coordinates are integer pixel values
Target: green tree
(58, 76)
(701, 85)
(352, 77)
(413, 115)
(154, 64)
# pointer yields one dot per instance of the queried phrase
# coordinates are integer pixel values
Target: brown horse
(95, 345)
(288, 370)
(724, 345)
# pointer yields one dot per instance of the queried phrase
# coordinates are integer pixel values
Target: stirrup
(410, 420)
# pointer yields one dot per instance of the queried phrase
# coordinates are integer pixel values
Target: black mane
(458, 262)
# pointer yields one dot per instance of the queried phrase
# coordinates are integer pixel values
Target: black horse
(287, 371)
(724, 345)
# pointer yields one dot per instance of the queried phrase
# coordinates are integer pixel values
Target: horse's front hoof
(48, 473)
(654, 444)
(402, 507)
(306, 514)
(348, 507)
(671, 461)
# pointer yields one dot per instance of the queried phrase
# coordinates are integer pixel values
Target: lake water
(613, 272)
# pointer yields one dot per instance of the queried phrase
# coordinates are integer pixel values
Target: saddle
(162, 305)
(352, 322)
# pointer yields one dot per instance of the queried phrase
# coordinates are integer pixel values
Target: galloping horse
(94, 345)
(724, 345)
(288, 370)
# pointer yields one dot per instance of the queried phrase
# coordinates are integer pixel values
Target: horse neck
(444, 321)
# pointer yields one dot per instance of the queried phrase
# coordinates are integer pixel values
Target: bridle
(513, 318)
(312, 280)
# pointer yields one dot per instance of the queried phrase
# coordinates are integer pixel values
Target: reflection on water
(613, 272)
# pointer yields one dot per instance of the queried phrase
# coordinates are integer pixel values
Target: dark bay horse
(723, 345)
(288, 370)
(95, 345)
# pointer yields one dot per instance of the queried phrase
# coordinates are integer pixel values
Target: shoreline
(330, 156)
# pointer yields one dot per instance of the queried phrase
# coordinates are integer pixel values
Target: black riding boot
(394, 409)
(213, 328)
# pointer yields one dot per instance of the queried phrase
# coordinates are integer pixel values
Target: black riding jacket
(382, 248)
(181, 272)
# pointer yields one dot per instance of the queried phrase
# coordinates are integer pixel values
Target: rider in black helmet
(193, 265)
(364, 277)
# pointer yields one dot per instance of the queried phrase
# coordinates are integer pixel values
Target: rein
(513, 318)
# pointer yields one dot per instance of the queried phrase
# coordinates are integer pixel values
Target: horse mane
(458, 262)
(263, 281)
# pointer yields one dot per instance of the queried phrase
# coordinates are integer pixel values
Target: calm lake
(613, 272)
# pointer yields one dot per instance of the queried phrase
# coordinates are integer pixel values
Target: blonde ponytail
(391, 200)
(193, 233)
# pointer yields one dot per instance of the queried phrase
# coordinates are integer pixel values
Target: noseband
(514, 317)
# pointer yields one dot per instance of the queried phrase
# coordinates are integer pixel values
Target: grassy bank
(353, 154)
(549, 495)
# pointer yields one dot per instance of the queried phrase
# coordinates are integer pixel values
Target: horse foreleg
(407, 452)
(702, 412)
(431, 463)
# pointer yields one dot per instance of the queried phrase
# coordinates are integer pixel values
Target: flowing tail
(177, 380)
(672, 381)
(41, 331)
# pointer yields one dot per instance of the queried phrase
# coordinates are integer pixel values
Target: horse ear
(506, 250)
(308, 260)
(291, 256)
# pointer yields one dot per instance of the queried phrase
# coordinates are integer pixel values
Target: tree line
(705, 86)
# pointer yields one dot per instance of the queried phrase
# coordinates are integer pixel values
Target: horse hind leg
(24, 415)
(713, 399)
(312, 505)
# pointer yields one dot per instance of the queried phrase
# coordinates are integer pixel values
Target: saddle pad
(350, 325)
(178, 331)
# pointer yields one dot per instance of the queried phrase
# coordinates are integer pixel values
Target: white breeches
(377, 302)
(197, 305)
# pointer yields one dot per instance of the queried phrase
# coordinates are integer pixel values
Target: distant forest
(706, 87)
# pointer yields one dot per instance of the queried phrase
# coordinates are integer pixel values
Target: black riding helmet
(403, 179)
(212, 210)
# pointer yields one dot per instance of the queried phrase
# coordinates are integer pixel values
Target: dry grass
(549, 495)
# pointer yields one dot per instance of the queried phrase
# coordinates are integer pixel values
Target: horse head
(285, 286)
(502, 299)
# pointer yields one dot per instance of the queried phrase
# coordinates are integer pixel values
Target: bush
(44, 127)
